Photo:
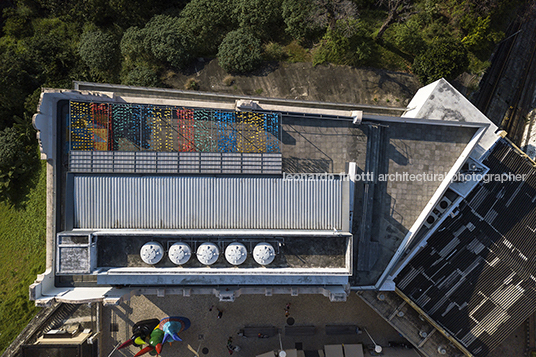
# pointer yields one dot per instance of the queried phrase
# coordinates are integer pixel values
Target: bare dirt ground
(326, 83)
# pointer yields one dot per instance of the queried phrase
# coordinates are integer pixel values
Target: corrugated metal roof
(476, 275)
(171, 202)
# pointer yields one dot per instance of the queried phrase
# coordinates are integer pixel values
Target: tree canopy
(239, 52)
(444, 58)
(208, 21)
(17, 161)
(100, 52)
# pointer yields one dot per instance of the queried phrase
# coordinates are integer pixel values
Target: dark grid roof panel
(476, 276)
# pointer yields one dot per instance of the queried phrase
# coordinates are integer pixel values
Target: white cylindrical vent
(151, 253)
(264, 253)
(378, 349)
(208, 253)
(236, 253)
(179, 253)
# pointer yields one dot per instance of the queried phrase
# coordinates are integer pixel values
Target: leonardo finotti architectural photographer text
(405, 176)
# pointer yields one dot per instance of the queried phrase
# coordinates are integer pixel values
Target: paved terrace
(207, 331)
(324, 145)
(407, 149)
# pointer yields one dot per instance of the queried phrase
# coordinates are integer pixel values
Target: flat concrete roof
(207, 331)
(315, 140)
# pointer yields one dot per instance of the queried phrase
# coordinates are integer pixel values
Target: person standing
(287, 310)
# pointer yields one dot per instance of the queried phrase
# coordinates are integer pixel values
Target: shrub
(296, 52)
(344, 45)
(229, 80)
(407, 37)
(445, 58)
(191, 84)
(142, 76)
(240, 51)
(333, 49)
(274, 52)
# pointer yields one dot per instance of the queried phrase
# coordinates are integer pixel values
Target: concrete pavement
(209, 332)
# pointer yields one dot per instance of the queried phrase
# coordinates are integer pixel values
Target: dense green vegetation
(50, 43)
(22, 257)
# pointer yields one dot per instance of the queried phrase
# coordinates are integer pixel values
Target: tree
(16, 81)
(53, 52)
(262, 18)
(100, 51)
(138, 12)
(347, 44)
(395, 9)
(160, 40)
(240, 51)
(208, 21)
(164, 38)
(407, 36)
(142, 76)
(445, 58)
(480, 35)
(132, 45)
(17, 21)
(327, 13)
(296, 14)
(18, 160)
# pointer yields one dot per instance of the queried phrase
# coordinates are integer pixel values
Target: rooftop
(475, 276)
(141, 165)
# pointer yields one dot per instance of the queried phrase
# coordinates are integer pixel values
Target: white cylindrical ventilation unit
(208, 253)
(236, 253)
(179, 253)
(264, 253)
(151, 253)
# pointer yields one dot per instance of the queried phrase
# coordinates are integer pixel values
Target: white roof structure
(440, 101)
